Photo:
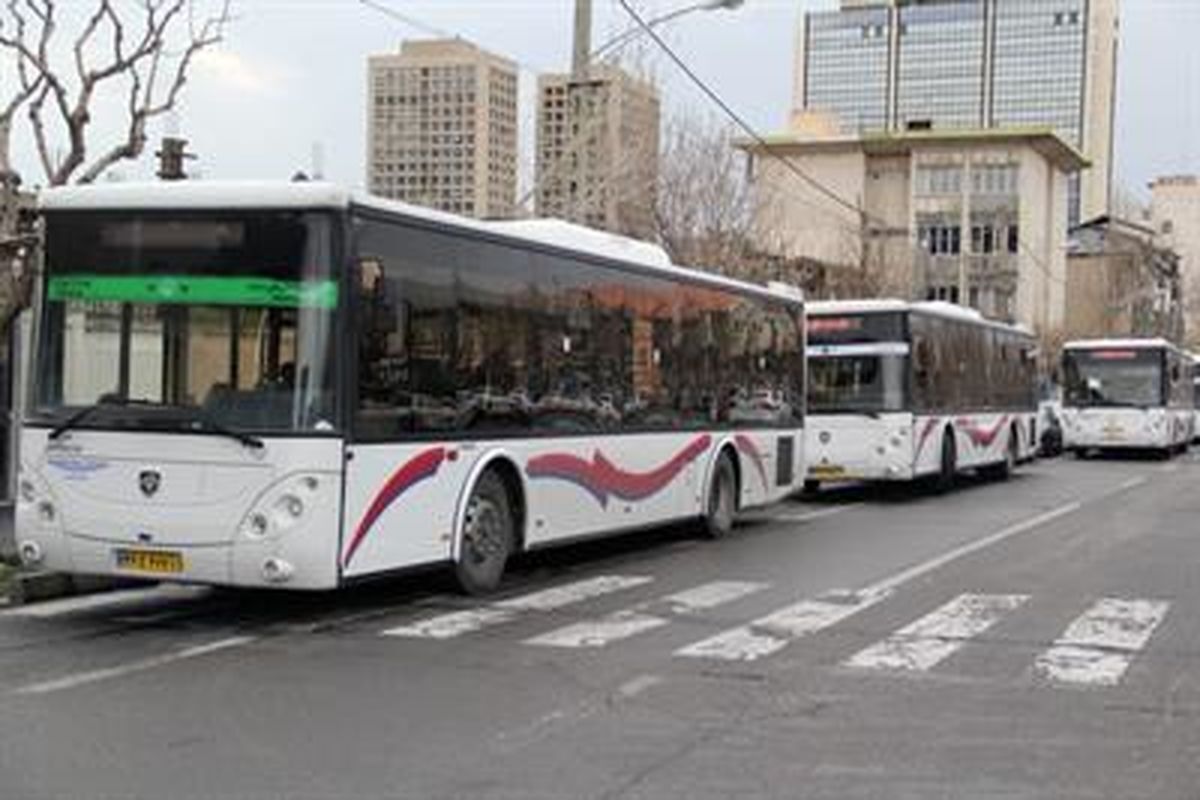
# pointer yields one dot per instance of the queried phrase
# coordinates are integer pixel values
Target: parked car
(1050, 437)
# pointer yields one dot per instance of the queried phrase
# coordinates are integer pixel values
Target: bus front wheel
(487, 536)
(722, 499)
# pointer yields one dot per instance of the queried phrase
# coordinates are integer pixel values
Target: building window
(938, 180)
(1014, 239)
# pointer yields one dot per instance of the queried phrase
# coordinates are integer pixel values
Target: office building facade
(597, 150)
(442, 128)
(894, 65)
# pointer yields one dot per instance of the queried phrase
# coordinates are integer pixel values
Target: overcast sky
(291, 76)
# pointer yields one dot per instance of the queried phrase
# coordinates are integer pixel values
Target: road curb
(32, 587)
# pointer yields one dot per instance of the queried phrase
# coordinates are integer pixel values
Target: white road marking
(633, 621)
(937, 635)
(599, 632)
(635, 686)
(773, 632)
(1098, 647)
(937, 562)
(769, 634)
(711, 595)
(109, 673)
(807, 516)
(114, 599)
(457, 623)
(561, 596)
(1132, 483)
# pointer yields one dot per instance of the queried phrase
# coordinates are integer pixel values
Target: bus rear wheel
(722, 500)
(949, 470)
(486, 538)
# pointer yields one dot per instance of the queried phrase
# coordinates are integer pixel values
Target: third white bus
(1126, 394)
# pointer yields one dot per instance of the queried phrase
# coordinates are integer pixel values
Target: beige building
(976, 217)
(1121, 283)
(1175, 217)
(442, 128)
(597, 150)
(895, 65)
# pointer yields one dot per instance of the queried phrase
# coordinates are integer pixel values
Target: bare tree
(143, 54)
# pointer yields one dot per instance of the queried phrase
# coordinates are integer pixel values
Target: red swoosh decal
(930, 424)
(420, 467)
(750, 450)
(982, 437)
(601, 478)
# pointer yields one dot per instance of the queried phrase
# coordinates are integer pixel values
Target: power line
(737, 118)
(791, 166)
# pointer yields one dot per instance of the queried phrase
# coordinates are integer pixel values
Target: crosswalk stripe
(711, 595)
(1098, 647)
(630, 622)
(771, 633)
(456, 623)
(936, 636)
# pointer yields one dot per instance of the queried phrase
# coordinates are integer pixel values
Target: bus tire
(487, 536)
(949, 463)
(1080, 453)
(721, 499)
(811, 486)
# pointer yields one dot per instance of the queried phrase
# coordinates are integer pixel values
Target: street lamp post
(632, 32)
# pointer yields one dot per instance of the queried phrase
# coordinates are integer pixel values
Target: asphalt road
(1031, 639)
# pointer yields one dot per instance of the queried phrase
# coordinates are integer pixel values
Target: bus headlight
(27, 491)
(46, 512)
(257, 524)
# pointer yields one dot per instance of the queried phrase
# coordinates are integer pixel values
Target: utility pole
(582, 53)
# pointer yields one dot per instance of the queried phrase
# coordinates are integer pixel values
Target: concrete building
(1175, 217)
(442, 127)
(1121, 283)
(972, 217)
(597, 150)
(897, 64)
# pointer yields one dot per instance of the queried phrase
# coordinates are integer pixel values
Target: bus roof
(932, 308)
(213, 195)
(1104, 344)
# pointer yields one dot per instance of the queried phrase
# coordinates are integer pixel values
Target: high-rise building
(442, 127)
(597, 150)
(896, 65)
(1175, 217)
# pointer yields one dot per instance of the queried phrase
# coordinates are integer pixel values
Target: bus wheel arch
(497, 494)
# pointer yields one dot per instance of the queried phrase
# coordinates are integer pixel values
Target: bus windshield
(1118, 377)
(163, 320)
(856, 383)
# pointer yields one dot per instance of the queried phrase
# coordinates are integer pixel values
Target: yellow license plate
(159, 562)
(826, 471)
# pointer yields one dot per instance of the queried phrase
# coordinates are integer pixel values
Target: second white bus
(900, 390)
(1126, 394)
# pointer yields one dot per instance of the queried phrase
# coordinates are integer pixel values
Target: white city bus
(1123, 394)
(284, 385)
(899, 391)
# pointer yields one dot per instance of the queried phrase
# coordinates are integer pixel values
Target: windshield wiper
(199, 415)
(202, 416)
(85, 412)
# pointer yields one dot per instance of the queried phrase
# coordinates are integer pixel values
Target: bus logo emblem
(148, 482)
